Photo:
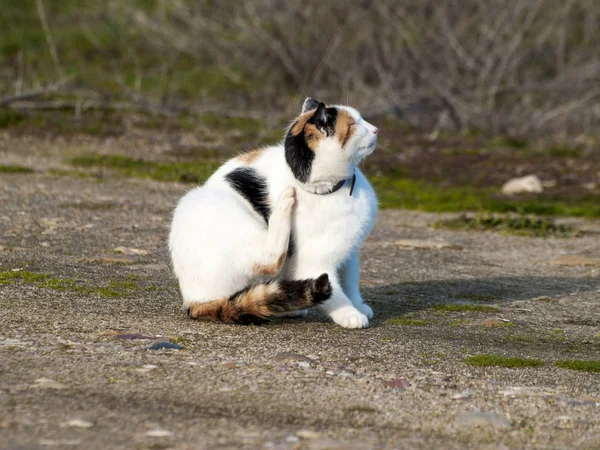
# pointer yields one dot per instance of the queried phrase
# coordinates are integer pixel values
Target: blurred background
(469, 93)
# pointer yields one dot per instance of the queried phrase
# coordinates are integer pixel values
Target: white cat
(278, 229)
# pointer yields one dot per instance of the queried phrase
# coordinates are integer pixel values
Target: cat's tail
(256, 304)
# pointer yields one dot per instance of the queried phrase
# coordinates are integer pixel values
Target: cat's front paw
(286, 200)
(365, 309)
(349, 317)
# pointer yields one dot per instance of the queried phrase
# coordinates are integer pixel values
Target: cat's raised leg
(341, 309)
(274, 251)
(350, 276)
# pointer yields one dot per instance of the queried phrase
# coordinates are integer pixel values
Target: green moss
(579, 364)
(188, 172)
(502, 361)
(10, 168)
(406, 321)
(113, 289)
(10, 117)
(517, 225)
(465, 308)
(507, 142)
(397, 192)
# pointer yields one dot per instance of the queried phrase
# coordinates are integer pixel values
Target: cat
(277, 230)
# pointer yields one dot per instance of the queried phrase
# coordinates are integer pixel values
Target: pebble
(165, 346)
(480, 419)
(79, 423)
(399, 384)
(47, 383)
(307, 434)
(131, 251)
(494, 322)
(290, 356)
(159, 433)
(146, 368)
(427, 245)
(462, 395)
(575, 260)
(132, 337)
(529, 183)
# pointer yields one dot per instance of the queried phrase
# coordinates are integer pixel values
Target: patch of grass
(396, 192)
(10, 117)
(562, 151)
(187, 172)
(113, 289)
(508, 142)
(407, 321)
(579, 364)
(502, 361)
(509, 224)
(464, 308)
(9, 277)
(10, 168)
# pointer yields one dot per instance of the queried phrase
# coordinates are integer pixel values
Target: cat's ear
(320, 116)
(309, 104)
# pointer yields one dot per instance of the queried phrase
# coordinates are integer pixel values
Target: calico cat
(278, 230)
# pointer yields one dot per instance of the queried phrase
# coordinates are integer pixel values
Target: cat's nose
(376, 131)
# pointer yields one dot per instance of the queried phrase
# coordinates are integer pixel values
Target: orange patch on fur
(312, 136)
(344, 126)
(249, 157)
(301, 122)
(270, 269)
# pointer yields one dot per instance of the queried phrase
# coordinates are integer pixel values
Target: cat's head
(325, 143)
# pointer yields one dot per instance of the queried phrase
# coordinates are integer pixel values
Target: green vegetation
(502, 361)
(396, 192)
(407, 321)
(113, 289)
(14, 169)
(579, 364)
(464, 308)
(187, 172)
(518, 225)
(9, 117)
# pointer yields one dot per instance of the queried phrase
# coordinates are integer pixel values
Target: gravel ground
(76, 370)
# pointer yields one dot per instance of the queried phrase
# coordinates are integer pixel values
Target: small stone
(494, 322)
(159, 433)
(131, 251)
(115, 259)
(230, 364)
(462, 395)
(292, 439)
(545, 298)
(47, 383)
(307, 434)
(426, 245)
(399, 384)
(165, 346)
(132, 337)
(303, 364)
(575, 260)
(290, 356)
(529, 183)
(79, 423)
(477, 419)
(146, 368)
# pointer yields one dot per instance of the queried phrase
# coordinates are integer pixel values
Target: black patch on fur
(298, 156)
(253, 187)
(291, 247)
(250, 319)
(297, 152)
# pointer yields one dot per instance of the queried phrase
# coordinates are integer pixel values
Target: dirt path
(77, 321)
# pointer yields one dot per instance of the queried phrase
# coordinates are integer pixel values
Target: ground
(77, 320)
